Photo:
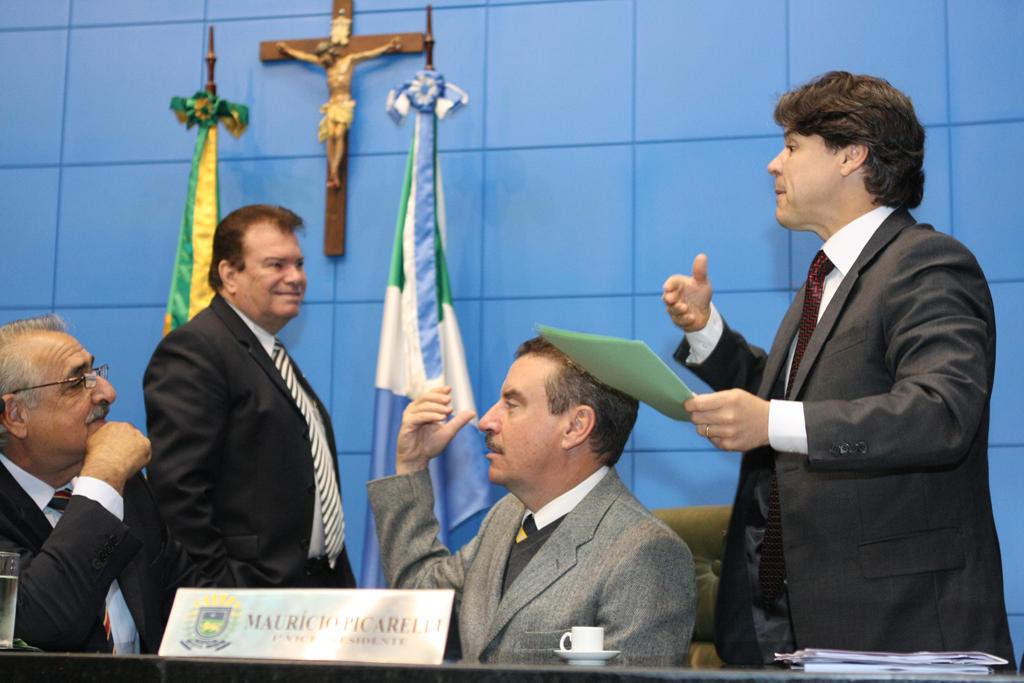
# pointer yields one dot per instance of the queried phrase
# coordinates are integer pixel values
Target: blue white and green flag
(420, 343)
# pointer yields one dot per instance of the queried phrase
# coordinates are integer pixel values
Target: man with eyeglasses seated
(98, 569)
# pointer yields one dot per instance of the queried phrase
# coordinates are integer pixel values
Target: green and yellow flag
(190, 292)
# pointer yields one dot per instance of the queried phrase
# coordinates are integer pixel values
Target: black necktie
(527, 528)
(771, 570)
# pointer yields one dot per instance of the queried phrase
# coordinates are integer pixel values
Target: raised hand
(688, 297)
(114, 453)
(426, 429)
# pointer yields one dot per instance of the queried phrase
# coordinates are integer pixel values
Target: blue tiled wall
(606, 143)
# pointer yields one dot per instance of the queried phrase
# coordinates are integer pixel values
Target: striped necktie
(59, 502)
(326, 483)
(528, 527)
(60, 499)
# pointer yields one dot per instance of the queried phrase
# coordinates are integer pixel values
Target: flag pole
(428, 41)
(211, 59)
(190, 291)
(420, 342)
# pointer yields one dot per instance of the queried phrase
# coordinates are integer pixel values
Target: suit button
(862, 448)
(97, 563)
(844, 449)
(304, 544)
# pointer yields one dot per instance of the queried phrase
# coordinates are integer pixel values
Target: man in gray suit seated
(570, 546)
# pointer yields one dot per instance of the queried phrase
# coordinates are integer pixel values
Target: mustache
(493, 447)
(98, 413)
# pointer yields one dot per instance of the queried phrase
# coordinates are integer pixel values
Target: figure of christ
(339, 109)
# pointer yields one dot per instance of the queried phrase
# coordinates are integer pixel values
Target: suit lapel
(780, 347)
(29, 524)
(324, 417)
(505, 529)
(886, 232)
(130, 582)
(237, 327)
(557, 556)
(246, 338)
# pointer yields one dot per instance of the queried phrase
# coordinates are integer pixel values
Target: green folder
(628, 365)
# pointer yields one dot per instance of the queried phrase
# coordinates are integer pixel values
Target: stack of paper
(850, 661)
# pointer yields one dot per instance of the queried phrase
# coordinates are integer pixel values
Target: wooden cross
(339, 84)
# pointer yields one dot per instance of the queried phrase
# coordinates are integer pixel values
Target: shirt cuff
(101, 492)
(787, 429)
(703, 341)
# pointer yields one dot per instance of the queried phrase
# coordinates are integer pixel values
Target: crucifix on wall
(338, 56)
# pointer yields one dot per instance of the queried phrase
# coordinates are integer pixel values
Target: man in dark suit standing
(862, 519)
(244, 462)
(98, 569)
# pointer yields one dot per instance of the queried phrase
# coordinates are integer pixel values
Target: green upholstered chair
(703, 528)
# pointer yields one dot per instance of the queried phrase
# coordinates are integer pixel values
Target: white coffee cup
(583, 639)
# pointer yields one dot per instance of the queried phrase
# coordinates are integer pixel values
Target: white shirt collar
(845, 245)
(39, 491)
(568, 501)
(265, 339)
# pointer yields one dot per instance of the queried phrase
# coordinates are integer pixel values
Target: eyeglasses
(88, 380)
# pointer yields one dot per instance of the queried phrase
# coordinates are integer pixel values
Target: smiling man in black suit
(244, 460)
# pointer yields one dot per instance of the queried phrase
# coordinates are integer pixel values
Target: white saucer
(579, 658)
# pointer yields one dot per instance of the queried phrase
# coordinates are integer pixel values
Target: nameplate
(382, 626)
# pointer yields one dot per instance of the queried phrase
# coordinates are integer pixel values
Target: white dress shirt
(122, 626)
(567, 502)
(266, 340)
(787, 429)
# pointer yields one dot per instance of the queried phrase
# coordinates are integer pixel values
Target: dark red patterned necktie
(772, 567)
(60, 499)
(820, 268)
